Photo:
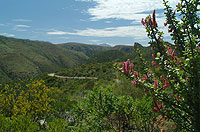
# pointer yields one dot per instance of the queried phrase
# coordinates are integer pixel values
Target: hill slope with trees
(20, 57)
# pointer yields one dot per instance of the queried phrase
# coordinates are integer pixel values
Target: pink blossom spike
(169, 50)
(134, 82)
(156, 84)
(131, 68)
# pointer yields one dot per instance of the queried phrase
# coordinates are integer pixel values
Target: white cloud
(94, 41)
(57, 33)
(22, 26)
(108, 22)
(124, 9)
(22, 20)
(65, 37)
(136, 32)
(7, 34)
(133, 10)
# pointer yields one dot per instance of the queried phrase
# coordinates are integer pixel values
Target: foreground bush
(31, 99)
(101, 110)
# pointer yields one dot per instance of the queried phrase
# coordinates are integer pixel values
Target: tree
(176, 87)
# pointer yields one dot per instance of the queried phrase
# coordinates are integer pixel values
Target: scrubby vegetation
(161, 93)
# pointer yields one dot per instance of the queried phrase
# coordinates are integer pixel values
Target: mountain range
(21, 58)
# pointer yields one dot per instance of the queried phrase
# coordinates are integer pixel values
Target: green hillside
(19, 58)
(145, 51)
(99, 70)
(85, 48)
(121, 53)
(124, 48)
(92, 49)
(106, 56)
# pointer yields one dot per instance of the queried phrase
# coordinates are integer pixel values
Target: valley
(21, 58)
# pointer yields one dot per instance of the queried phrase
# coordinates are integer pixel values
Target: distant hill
(106, 56)
(145, 51)
(92, 49)
(121, 53)
(19, 58)
(124, 48)
(84, 48)
(105, 45)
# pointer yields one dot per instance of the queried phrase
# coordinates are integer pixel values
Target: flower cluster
(150, 21)
(127, 67)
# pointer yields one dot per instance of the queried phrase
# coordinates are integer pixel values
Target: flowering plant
(176, 87)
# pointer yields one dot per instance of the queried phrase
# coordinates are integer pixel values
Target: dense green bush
(102, 110)
(18, 124)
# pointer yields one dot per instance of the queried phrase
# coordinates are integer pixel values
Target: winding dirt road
(64, 77)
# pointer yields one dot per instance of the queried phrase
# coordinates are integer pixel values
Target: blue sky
(87, 21)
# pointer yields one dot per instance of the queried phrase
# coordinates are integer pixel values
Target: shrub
(101, 110)
(31, 99)
(176, 87)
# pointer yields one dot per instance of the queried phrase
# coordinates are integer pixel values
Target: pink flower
(162, 77)
(144, 22)
(144, 78)
(169, 50)
(174, 57)
(134, 82)
(156, 84)
(127, 65)
(154, 20)
(149, 74)
(178, 97)
(136, 75)
(131, 68)
(124, 67)
(173, 53)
